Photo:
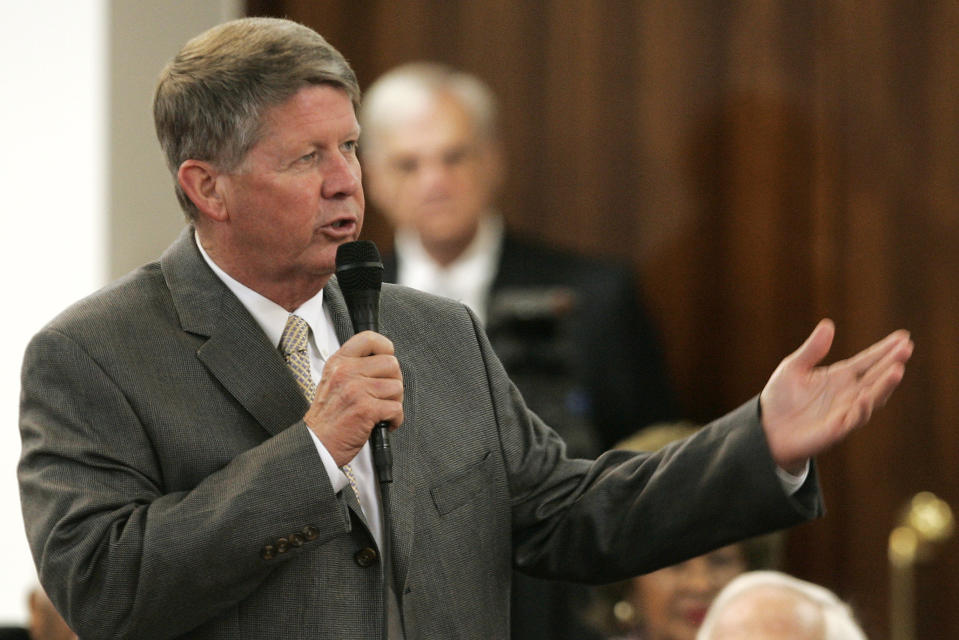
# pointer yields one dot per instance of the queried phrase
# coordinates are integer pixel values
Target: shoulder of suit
(402, 295)
(131, 296)
(566, 264)
(412, 307)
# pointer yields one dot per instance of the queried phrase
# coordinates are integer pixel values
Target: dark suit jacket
(163, 449)
(616, 353)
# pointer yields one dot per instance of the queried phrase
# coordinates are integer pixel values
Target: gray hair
(210, 99)
(407, 87)
(839, 621)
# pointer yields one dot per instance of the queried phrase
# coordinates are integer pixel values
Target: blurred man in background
(768, 605)
(434, 165)
(570, 329)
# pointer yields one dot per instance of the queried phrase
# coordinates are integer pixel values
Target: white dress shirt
(467, 279)
(323, 342)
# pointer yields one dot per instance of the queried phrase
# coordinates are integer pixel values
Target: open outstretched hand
(806, 408)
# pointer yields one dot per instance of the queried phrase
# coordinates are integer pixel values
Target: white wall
(52, 167)
(85, 193)
(144, 35)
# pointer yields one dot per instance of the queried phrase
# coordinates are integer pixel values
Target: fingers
(874, 395)
(357, 378)
(366, 361)
(816, 346)
(361, 385)
(876, 372)
(866, 358)
(874, 362)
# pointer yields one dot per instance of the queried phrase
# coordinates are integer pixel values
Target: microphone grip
(382, 453)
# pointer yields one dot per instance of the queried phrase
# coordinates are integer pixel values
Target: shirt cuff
(337, 478)
(790, 483)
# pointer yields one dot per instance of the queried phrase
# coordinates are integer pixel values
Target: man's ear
(198, 179)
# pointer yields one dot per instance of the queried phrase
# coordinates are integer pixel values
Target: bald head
(770, 613)
(769, 605)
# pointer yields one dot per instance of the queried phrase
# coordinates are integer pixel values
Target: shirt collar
(270, 316)
(468, 278)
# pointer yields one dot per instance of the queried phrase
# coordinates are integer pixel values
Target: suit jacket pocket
(462, 487)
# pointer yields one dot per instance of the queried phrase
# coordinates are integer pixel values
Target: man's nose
(433, 174)
(341, 177)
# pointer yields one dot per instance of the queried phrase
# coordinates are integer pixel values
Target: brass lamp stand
(926, 521)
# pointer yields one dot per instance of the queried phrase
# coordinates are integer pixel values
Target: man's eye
(405, 165)
(351, 146)
(310, 157)
(456, 157)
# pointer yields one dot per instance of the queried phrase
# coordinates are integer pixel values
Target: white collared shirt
(323, 343)
(467, 279)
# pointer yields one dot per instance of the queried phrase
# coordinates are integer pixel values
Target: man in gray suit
(176, 480)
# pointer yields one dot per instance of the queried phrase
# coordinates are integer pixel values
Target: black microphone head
(359, 271)
(358, 266)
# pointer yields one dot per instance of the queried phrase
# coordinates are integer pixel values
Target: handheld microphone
(359, 271)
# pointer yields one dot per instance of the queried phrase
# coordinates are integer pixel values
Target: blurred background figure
(561, 322)
(670, 604)
(45, 621)
(768, 605)
(570, 330)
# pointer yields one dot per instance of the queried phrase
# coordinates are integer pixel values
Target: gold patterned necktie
(294, 344)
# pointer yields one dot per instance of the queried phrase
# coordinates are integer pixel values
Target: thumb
(816, 346)
(367, 343)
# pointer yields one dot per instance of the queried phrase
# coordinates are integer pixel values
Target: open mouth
(340, 228)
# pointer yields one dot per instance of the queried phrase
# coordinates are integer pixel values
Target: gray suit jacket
(163, 451)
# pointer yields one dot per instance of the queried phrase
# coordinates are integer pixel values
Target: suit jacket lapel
(237, 352)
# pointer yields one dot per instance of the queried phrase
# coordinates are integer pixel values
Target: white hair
(839, 621)
(408, 88)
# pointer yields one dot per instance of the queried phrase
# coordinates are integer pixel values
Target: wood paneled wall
(762, 164)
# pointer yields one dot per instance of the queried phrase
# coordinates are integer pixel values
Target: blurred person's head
(768, 605)
(211, 98)
(45, 621)
(430, 153)
(671, 603)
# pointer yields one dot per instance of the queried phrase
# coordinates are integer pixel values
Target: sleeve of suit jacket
(627, 513)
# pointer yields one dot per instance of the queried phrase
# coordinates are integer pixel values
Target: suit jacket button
(365, 556)
(296, 540)
(282, 545)
(267, 552)
(310, 532)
